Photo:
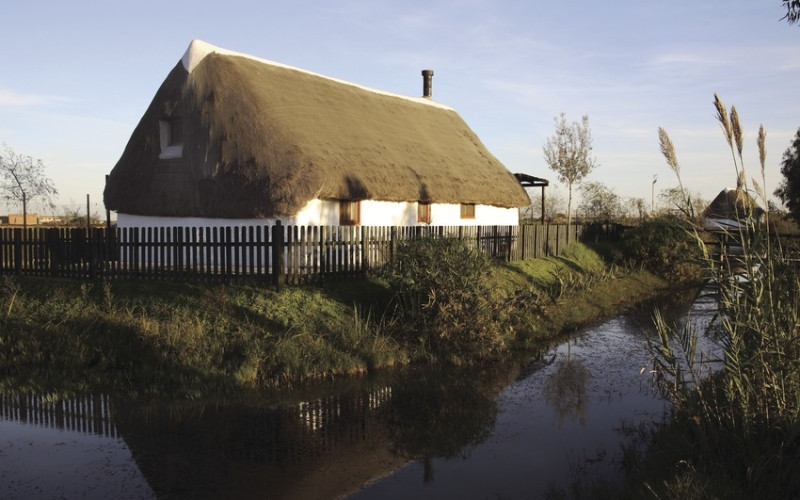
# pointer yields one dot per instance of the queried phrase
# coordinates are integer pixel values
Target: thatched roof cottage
(233, 139)
(732, 209)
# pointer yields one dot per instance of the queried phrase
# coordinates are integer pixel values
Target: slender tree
(568, 152)
(789, 189)
(23, 180)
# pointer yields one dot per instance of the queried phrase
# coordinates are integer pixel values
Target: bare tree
(600, 201)
(569, 153)
(554, 204)
(676, 198)
(792, 11)
(22, 180)
(634, 207)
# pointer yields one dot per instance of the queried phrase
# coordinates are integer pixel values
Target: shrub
(442, 300)
(664, 245)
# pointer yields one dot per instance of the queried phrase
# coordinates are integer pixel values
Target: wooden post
(18, 250)
(544, 218)
(364, 246)
(392, 244)
(509, 242)
(277, 254)
(90, 239)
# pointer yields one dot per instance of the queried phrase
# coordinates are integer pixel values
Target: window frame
(171, 146)
(346, 208)
(467, 210)
(175, 132)
(423, 212)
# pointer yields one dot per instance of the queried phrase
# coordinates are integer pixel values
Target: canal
(557, 419)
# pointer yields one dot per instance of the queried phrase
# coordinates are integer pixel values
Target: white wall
(326, 213)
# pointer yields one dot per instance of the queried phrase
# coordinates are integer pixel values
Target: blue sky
(77, 76)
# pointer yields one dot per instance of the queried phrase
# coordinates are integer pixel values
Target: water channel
(520, 430)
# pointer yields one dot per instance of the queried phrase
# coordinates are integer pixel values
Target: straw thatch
(735, 206)
(261, 140)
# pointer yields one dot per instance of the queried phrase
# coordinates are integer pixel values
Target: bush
(442, 300)
(663, 245)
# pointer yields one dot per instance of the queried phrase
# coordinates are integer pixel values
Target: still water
(520, 430)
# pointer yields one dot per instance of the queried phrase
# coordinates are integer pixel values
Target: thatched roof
(262, 139)
(733, 206)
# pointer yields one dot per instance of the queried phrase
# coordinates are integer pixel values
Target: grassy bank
(161, 337)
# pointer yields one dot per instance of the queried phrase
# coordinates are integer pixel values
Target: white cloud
(11, 98)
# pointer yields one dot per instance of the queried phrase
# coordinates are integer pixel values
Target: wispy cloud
(11, 98)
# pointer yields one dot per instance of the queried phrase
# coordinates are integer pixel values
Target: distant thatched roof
(733, 205)
(262, 139)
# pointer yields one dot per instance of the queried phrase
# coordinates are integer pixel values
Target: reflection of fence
(88, 414)
(318, 414)
(277, 254)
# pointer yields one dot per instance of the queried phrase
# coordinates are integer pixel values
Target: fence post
(558, 238)
(392, 243)
(362, 231)
(277, 254)
(18, 251)
(92, 253)
(509, 242)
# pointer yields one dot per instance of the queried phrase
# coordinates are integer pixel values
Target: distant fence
(274, 254)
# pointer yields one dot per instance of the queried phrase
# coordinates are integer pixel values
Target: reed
(737, 413)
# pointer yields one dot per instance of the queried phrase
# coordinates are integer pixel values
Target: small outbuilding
(231, 139)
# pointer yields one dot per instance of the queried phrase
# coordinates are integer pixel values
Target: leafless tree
(792, 11)
(600, 201)
(23, 180)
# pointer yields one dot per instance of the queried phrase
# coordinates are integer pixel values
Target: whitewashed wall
(326, 213)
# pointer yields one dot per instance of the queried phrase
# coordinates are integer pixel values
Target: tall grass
(177, 338)
(735, 430)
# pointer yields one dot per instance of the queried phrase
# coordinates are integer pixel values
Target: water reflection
(320, 447)
(64, 449)
(510, 430)
(88, 414)
(565, 390)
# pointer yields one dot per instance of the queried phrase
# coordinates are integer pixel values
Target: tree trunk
(569, 211)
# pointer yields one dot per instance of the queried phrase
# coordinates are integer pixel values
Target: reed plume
(722, 116)
(668, 150)
(727, 129)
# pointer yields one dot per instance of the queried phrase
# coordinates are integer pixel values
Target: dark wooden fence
(275, 254)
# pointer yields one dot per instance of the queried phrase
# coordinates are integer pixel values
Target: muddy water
(521, 430)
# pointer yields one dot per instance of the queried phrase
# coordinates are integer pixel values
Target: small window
(349, 213)
(467, 210)
(423, 213)
(175, 132)
(170, 133)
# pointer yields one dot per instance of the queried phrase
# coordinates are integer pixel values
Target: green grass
(151, 338)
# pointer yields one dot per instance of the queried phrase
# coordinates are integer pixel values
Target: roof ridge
(199, 49)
